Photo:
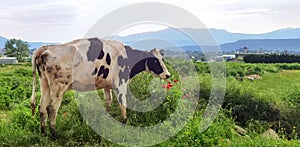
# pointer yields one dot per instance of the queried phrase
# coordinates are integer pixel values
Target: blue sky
(60, 21)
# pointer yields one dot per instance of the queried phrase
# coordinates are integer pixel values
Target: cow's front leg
(108, 97)
(122, 90)
(123, 110)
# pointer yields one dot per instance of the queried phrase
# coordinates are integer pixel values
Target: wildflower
(169, 86)
(164, 86)
(65, 114)
(175, 81)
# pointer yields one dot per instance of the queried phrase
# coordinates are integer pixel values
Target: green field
(272, 102)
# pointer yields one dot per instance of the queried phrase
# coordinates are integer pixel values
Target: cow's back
(83, 64)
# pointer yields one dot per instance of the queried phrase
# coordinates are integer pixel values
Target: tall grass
(245, 104)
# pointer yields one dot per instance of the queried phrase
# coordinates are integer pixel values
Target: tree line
(272, 58)
(16, 48)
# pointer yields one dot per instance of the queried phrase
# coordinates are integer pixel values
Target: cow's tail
(33, 96)
(35, 65)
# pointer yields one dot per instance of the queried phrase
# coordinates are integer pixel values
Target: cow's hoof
(43, 131)
(124, 121)
(108, 109)
(54, 135)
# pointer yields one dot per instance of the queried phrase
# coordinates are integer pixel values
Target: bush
(13, 90)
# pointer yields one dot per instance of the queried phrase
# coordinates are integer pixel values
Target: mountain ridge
(227, 40)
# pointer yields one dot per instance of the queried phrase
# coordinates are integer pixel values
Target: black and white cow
(85, 65)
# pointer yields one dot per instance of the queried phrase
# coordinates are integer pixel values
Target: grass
(250, 104)
(277, 87)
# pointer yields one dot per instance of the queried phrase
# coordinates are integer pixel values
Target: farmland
(272, 102)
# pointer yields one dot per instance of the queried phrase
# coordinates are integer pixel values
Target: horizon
(62, 21)
(122, 34)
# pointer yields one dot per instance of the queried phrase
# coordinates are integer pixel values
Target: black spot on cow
(124, 75)
(137, 68)
(95, 71)
(121, 62)
(44, 59)
(56, 75)
(101, 55)
(103, 71)
(49, 69)
(108, 60)
(154, 65)
(95, 50)
(38, 69)
(57, 67)
(100, 72)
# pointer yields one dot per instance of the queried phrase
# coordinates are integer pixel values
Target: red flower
(175, 81)
(164, 86)
(169, 85)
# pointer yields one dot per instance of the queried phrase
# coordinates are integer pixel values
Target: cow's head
(155, 65)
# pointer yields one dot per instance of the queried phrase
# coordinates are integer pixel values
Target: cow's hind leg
(45, 92)
(56, 99)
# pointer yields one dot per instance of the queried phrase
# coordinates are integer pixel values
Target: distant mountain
(221, 36)
(282, 39)
(265, 44)
(276, 40)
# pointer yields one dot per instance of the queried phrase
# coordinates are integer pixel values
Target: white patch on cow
(159, 56)
(122, 89)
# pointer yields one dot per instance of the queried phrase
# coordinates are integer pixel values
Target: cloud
(255, 12)
(39, 13)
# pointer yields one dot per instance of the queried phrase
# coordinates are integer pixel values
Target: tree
(16, 48)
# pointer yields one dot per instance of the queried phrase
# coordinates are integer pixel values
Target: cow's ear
(153, 50)
(162, 52)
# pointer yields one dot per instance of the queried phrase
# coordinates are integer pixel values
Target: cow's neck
(139, 67)
(137, 61)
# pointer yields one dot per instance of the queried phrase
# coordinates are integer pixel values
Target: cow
(85, 65)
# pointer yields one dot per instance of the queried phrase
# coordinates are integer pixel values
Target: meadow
(272, 102)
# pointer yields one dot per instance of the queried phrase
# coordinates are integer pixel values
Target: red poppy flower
(164, 86)
(168, 87)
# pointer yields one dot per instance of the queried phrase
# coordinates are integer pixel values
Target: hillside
(265, 44)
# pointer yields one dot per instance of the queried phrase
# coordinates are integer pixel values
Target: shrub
(13, 90)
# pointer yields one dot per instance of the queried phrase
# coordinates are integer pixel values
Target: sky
(61, 21)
